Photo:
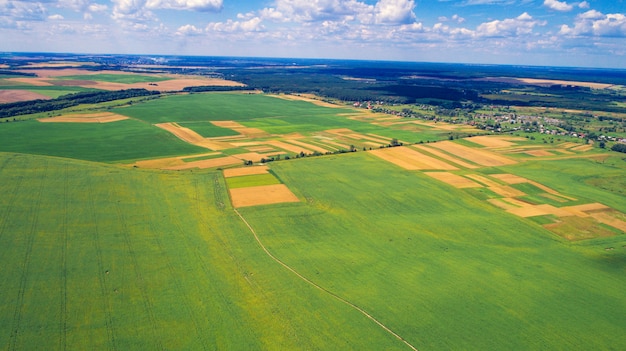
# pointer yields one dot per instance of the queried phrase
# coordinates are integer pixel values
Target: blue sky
(590, 33)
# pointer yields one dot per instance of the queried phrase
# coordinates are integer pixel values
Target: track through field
(363, 312)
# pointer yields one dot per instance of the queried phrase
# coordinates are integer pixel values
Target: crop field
(116, 78)
(238, 221)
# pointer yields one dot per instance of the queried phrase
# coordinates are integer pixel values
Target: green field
(107, 142)
(102, 256)
(209, 130)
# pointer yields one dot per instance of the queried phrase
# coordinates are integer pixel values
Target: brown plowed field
(20, 95)
(262, 195)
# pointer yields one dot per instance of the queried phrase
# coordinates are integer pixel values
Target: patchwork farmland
(254, 221)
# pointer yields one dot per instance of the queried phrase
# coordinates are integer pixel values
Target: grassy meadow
(102, 256)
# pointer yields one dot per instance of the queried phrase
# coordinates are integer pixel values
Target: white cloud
(594, 23)
(97, 8)
(522, 24)
(15, 11)
(395, 11)
(343, 11)
(558, 5)
(583, 5)
(188, 30)
(55, 17)
(194, 5)
(230, 26)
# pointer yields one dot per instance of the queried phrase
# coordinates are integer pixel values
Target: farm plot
(104, 142)
(478, 156)
(102, 117)
(411, 159)
(425, 251)
(100, 257)
(256, 186)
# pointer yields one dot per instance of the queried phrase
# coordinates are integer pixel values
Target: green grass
(442, 268)
(584, 179)
(99, 257)
(209, 130)
(116, 78)
(251, 180)
(222, 107)
(106, 142)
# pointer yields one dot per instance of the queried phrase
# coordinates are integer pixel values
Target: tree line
(69, 100)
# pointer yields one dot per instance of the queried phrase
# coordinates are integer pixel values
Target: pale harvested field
(411, 159)
(506, 191)
(239, 128)
(515, 202)
(556, 198)
(455, 180)
(509, 178)
(255, 157)
(163, 163)
(550, 190)
(589, 207)
(38, 82)
(182, 133)
(210, 163)
(237, 172)
(288, 147)
(606, 218)
(262, 195)
(538, 153)
(501, 204)
(484, 180)
(564, 82)
(493, 141)
(582, 148)
(306, 145)
(481, 157)
(104, 117)
(334, 143)
(261, 148)
(307, 98)
(192, 137)
(20, 95)
(245, 143)
(539, 210)
(568, 145)
(227, 124)
(444, 156)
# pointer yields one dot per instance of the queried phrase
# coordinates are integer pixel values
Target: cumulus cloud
(188, 30)
(522, 24)
(558, 5)
(395, 11)
(194, 5)
(230, 26)
(56, 17)
(595, 23)
(341, 11)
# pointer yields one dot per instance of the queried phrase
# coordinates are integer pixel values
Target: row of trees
(65, 101)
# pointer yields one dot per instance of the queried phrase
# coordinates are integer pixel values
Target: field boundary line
(310, 282)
